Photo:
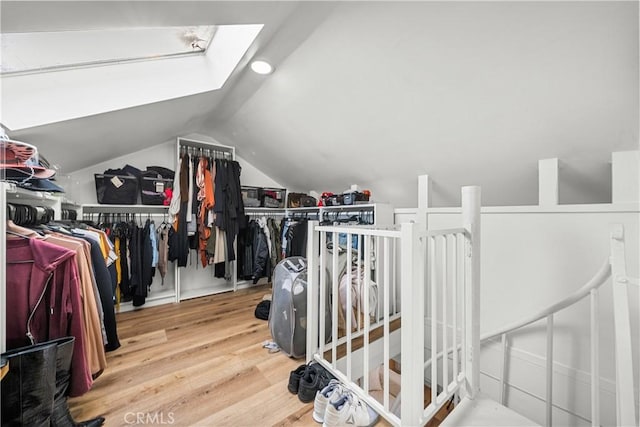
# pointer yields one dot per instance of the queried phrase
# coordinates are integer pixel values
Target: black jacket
(261, 259)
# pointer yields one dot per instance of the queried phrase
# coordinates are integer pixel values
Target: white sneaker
(331, 392)
(348, 410)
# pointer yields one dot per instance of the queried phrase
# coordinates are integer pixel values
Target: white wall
(80, 184)
(531, 258)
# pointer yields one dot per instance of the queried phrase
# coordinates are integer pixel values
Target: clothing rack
(192, 283)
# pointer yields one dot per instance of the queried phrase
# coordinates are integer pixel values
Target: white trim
(594, 208)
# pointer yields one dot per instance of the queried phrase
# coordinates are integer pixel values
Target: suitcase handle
(296, 267)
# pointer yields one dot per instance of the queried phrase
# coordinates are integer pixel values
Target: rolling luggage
(288, 315)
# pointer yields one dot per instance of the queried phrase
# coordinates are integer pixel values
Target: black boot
(61, 416)
(29, 386)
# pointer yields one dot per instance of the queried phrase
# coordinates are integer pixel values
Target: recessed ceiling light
(261, 67)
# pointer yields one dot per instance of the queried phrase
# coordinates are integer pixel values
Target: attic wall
(470, 93)
(80, 185)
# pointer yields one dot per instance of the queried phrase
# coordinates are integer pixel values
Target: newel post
(312, 290)
(412, 331)
(471, 222)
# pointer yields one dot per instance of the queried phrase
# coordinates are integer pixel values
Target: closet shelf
(356, 207)
(15, 192)
(97, 208)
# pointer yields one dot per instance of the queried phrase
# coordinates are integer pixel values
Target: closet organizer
(209, 219)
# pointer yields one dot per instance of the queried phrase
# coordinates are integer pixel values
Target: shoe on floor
(331, 392)
(315, 378)
(349, 410)
(294, 378)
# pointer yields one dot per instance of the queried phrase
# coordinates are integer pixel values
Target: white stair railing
(438, 266)
(613, 267)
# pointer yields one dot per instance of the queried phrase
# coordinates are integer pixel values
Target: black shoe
(315, 378)
(294, 378)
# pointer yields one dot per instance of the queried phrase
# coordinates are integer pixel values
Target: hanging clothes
(44, 302)
(90, 301)
(206, 201)
(163, 249)
(229, 207)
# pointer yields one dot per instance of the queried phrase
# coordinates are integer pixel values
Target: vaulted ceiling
(377, 93)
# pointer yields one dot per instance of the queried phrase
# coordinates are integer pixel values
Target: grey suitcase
(288, 314)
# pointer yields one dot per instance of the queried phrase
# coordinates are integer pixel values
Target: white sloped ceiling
(469, 93)
(377, 93)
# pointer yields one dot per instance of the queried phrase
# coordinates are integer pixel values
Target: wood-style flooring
(197, 363)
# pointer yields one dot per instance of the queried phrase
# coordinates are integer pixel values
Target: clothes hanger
(13, 233)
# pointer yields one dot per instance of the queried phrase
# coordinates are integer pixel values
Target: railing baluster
(549, 391)
(359, 286)
(349, 304)
(445, 332)
(367, 319)
(312, 294)
(503, 369)
(385, 308)
(335, 303)
(463, 303)
(595, 360)
(323, 291)
(394, 276)
(434, 320)
(454, 298)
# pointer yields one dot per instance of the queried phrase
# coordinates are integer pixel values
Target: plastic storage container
(251, 196)
(272, 197)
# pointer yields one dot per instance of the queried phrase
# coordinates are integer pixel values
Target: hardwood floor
(197, 363)
(200, 362)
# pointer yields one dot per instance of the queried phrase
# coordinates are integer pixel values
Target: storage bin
(152, 189)
(116, 189)
(354, 197)
(272, 197)
(300, 200)
(250, 196)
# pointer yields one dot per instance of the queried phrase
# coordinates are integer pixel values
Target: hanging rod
(119, 209)
(225, 149)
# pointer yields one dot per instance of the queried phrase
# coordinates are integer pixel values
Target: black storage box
(354, 197)
(116, 189)
(334, 200)
(152, 188)
(250, 196)
(272, 197)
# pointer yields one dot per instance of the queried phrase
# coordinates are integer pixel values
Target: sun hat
(19, 160)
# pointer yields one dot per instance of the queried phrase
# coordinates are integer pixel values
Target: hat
(18, 160)
(37, 184)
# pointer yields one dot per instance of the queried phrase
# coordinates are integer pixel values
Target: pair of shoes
(333, 391)
(314, 379)
(343, 408)
(294, 379)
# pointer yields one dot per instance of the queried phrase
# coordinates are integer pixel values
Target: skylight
(49, 51)
(102, 85)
